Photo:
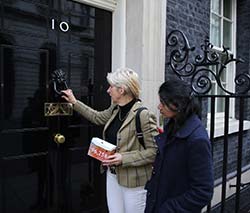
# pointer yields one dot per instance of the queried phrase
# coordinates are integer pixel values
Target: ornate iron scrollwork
(59, 81)
(199, 70)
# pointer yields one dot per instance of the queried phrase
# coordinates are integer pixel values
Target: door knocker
(59, 81)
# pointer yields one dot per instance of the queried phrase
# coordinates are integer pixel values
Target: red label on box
(98, 152)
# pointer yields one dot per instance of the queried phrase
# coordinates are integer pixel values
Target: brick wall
(243, 41)
(232, 153)
(191, 17)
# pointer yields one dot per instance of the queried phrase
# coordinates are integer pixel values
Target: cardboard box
(100, 149)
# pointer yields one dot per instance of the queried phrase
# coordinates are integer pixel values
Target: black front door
(37, 37)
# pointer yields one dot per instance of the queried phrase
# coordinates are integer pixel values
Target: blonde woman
(131, 166)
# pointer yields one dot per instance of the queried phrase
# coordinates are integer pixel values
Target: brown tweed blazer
(137, 162)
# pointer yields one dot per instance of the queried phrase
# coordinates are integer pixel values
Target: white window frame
(219, 116)
(230, 72)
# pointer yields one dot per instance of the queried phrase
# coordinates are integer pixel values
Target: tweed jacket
(136, 167)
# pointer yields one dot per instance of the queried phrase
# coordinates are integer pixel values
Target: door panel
(36, 174)
(27, 19)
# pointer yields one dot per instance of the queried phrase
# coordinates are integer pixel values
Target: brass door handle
(58, 138)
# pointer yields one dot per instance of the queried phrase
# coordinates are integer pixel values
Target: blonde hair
(127, 79)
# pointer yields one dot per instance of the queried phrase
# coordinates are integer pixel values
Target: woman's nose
(159, 106)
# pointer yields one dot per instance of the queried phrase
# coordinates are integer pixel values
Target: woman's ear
(122, 90)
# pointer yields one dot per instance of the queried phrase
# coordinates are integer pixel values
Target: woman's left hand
(113, 160)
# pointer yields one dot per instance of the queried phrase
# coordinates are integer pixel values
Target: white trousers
(122, 199)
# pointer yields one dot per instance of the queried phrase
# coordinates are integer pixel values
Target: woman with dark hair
(182, 176)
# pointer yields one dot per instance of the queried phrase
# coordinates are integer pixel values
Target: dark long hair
(178, 93)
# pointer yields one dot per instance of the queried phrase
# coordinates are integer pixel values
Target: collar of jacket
(131, 115)
(192, 123)
(189, 126)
